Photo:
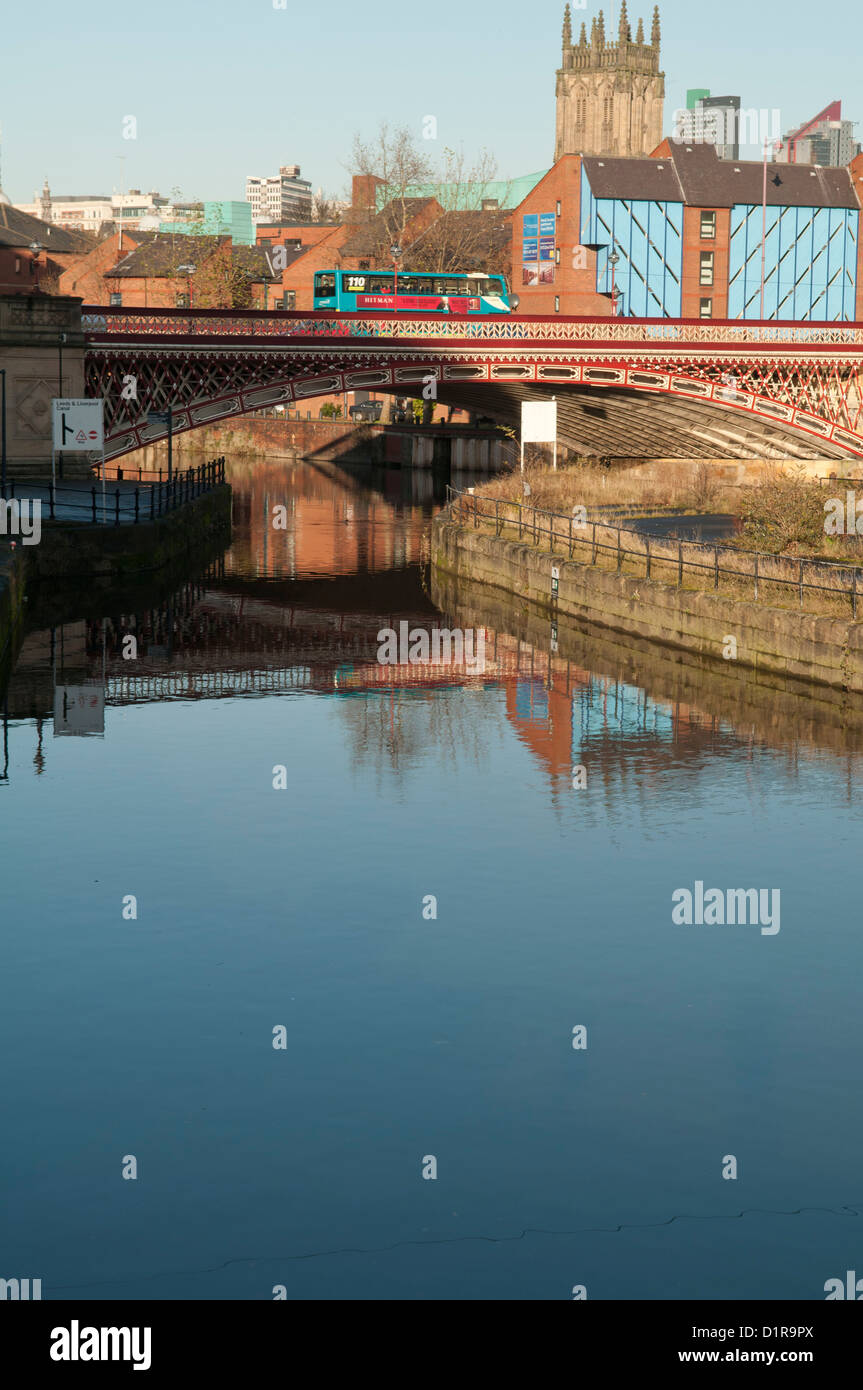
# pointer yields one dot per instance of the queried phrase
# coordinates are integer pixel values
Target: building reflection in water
(300, 609)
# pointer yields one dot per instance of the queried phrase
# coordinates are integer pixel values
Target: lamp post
(612, 261)
(60, 341)
(764, 231)
(396, 253)
(2, 432)
(35, 248)
(188, 271)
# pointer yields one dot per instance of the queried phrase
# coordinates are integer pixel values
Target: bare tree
(397, 171)
(325, 208)
(448, 217)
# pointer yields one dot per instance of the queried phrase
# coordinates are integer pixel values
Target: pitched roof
(19, 229)
(695, 175)
(162, 255)
(639, 179)
(709, 181)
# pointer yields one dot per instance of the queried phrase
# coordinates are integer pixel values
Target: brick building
(686, 228)
(165, 271)
(23, 270)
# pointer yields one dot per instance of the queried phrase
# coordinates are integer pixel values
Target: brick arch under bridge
(624, 387)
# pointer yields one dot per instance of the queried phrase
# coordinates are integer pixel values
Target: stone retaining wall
(68, 551)
(799, 645)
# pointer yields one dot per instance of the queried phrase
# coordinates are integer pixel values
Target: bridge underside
(643, 407)
(614, 423)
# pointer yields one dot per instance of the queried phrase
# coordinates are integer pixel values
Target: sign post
(78, 426)
(539, 425)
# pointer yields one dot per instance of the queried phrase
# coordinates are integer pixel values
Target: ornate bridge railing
(111, 322)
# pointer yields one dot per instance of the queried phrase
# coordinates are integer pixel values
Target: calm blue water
(406, 1037)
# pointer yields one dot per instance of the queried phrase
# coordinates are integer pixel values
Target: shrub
(783, 513)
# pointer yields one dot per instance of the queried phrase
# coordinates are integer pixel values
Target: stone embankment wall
(68, 551)
(391, 446)
(788, 643)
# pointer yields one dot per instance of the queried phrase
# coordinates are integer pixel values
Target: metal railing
(628, 551)
(118, 506)
(100, 321)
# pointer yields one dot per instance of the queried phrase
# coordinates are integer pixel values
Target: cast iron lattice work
(807, 379)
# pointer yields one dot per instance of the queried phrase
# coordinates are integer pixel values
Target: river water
(473, 960)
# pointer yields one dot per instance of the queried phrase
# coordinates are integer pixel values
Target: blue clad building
(687, 229)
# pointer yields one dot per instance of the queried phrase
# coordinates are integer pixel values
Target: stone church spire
(624, 31)
(567, 29)
(654, 33)
(639, 38)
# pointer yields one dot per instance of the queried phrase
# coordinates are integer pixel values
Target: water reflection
(411, 1036)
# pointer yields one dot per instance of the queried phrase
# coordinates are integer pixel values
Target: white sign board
(79, 709)
(78, 425)
(538, 422)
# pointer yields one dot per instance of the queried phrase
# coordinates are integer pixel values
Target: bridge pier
(37, 333)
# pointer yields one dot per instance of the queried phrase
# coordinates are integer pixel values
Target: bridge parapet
(112, 322)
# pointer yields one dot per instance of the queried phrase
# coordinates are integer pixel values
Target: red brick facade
(573, 289)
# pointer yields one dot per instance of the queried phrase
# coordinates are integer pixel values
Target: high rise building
(283, 198)
(713, 121)
(609, 94)
(825, 140)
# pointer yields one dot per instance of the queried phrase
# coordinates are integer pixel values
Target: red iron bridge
(624, 387)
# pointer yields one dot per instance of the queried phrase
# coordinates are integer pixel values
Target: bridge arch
(622, 390)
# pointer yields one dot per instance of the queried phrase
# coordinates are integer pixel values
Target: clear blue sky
(224, 88)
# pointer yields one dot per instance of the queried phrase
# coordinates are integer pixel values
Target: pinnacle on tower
(582, 42)
(594, 32)
(623, 30)
(654, 33)
(567, 29)
(600, 28)
(639, 37)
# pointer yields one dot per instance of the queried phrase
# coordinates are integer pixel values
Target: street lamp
(35, 248)
(613, 261)
(60, 341)
(188, 271)
(2, 432)
(396, 253)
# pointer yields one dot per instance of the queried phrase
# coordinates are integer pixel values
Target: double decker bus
(351, 291)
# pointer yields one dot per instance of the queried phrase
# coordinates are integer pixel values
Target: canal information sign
(78, 425)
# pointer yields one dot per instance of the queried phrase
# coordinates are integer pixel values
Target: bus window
(325, 286)
(381, 284)
(354, 284)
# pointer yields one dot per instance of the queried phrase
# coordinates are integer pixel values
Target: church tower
(609, 93)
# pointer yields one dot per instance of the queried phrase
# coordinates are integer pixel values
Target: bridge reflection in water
(300, 608)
